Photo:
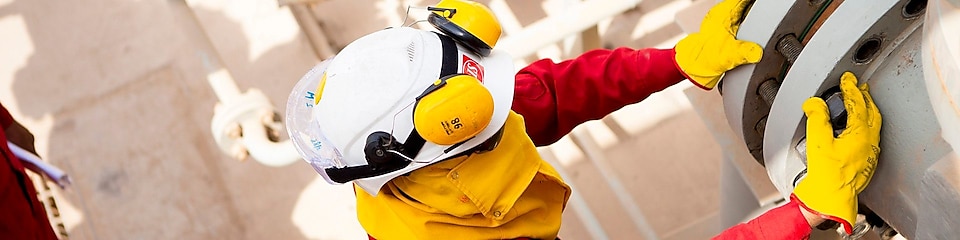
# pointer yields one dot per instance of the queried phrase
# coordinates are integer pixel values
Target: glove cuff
(705, 85)
(847, 227)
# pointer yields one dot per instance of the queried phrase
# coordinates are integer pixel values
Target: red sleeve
(5, 118)
(556, 97)
(784, 222)
(23, 216)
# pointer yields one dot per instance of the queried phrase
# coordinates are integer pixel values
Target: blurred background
(121, 94)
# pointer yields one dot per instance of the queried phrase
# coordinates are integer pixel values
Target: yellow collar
(509, 192)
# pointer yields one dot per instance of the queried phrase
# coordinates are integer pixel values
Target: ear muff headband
(456, 107)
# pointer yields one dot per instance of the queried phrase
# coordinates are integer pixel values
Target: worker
(438, 135)
(23, 215)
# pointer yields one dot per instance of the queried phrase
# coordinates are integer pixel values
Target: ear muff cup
(461, 35)
(469, 23)
(453, 109)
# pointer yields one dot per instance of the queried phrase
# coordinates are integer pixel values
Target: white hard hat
(374, 85)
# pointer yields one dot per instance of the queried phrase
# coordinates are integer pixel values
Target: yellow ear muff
(453, 110)
(468, 22)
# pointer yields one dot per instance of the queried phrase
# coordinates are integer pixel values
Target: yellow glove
(839, 168)
(704, 56)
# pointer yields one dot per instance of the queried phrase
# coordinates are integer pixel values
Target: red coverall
(556, 97)
(23, 217)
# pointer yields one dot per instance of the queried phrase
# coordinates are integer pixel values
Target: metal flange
(915, 81)
(766, 24)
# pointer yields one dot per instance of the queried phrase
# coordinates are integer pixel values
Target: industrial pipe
(238, 124)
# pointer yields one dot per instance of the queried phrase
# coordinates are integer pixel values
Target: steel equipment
(907, 50)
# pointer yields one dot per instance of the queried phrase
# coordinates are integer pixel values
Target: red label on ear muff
(472, 68)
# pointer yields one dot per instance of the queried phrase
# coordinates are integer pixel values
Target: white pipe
(555, 28)
(274, 154)
(223, 85)
(246, 109)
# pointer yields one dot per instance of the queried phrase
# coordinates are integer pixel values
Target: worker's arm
(556, 97)
(785, 222)
(16, 133)
(5, 119)
(838, 168)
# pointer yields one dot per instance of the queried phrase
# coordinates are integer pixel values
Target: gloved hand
(704, 56)
(839, 168)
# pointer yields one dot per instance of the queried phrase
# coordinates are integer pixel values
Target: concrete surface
(116, 93)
